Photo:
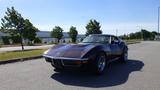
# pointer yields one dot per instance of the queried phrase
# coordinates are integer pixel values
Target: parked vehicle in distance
(94, 52)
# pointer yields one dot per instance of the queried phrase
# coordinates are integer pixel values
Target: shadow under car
(117, 73)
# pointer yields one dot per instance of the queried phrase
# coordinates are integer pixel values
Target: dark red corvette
(94, 52)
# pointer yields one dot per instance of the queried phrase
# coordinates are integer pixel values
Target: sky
(123, 16)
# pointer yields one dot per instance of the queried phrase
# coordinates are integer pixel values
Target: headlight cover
(46, 51)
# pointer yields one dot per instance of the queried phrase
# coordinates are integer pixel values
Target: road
(6, 49)
(142, 72)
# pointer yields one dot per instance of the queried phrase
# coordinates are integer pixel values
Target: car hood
(70, 50)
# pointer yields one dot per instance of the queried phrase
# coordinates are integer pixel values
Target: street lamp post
(158, 22)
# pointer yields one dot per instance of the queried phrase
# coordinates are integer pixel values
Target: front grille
(69, 63)
(57, 63)
(62, 62)
(48, 59)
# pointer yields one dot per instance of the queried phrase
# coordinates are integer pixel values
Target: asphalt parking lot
(142, 72)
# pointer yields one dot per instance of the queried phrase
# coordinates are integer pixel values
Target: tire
(100, 64)
(124, 56)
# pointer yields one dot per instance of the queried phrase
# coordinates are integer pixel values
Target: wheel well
(125, 48)
(103, 53)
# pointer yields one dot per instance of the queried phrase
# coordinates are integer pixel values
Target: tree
(73, 33)
(13, 23)
(16, 39)
(147, 35)
(5, 39)
(57, 32)
(125, 37)
(132, 36)
(93, 27)
(37, 40)
(138, 35)
(155, 33)
(29, 31)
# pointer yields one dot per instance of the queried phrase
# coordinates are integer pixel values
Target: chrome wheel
(101, 63)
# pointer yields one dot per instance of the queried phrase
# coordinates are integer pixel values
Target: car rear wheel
(100, 64)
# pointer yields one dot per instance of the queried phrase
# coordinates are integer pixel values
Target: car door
(114, 46)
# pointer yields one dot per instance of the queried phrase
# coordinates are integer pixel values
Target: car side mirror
(116, 42)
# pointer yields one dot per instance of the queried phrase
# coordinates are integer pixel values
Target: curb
(19, 60)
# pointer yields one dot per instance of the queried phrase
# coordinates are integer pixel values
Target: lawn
(133, 41)
(21, 54)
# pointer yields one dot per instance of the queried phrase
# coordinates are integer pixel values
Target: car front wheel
(124, 56)
(100, 63)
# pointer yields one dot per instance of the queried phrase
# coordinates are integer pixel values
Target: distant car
(94, 52)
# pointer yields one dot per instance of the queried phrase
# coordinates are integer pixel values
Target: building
(45, 36)
(157, 37)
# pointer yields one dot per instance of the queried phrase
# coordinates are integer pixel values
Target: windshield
(96, 39)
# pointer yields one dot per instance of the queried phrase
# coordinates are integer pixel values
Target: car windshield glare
(96, 39)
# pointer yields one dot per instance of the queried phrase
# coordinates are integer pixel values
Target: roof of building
(47, 34)
(81, 36)
(43, 34)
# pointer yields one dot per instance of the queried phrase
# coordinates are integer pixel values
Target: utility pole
(158, 23)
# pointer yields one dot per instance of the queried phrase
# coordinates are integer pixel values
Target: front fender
(93, 52)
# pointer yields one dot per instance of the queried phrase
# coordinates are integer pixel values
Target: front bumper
(65, 61)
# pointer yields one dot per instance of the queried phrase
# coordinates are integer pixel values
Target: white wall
(48, 40)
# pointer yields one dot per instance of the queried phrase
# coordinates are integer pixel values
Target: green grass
(133, 41)
(20, 54)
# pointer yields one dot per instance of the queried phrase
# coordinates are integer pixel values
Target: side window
(114, 40)
(107, 39)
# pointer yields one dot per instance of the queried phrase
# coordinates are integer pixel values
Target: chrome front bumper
(63, 61)
(65, 58)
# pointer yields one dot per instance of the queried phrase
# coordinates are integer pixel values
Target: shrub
(37, 40)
